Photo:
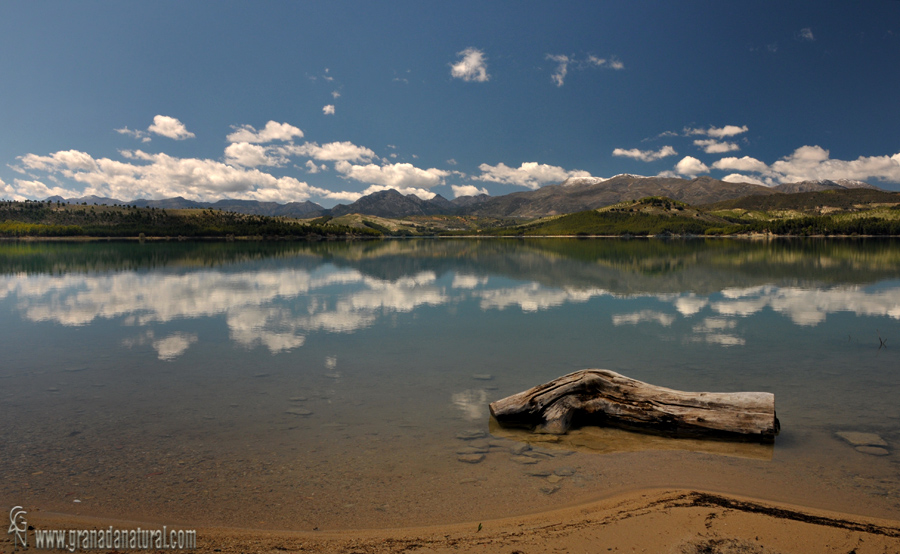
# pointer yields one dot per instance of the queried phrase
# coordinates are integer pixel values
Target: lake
(337, 384)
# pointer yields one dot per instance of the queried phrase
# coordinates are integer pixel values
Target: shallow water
(324, 385)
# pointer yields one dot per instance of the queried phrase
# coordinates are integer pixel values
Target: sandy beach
(659, 520)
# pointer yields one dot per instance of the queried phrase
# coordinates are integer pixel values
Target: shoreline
(276, 238)
(653, 520)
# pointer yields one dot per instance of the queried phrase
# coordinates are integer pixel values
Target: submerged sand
(660, 521)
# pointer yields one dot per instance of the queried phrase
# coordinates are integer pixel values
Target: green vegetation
(46, 219)
(826, 213)
(594, 222)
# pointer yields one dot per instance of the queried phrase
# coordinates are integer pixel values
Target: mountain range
(573, 195)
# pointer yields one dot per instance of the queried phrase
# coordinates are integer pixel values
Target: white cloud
(738, 178)
(741, 164)
(530, 175)
(565, 62)
(472, 66)
(163, 176)
(169, 127)
(134, 133)
(335, 94)
(612, 63)
(23, 190)
(718, 132)
(250, 155)
(331, 152)
(690, 166)
(713, 146)
(345, 195)
(806, 34)
(273, 131)
(311, 167)
(562, 68)
(328, 110)
(645, 155)
(403, 177)
(467, 190)
(813, 162)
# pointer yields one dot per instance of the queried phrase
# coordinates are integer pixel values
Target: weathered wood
(600, 396)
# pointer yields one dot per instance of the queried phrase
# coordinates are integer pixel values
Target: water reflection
(291, 291)
(606, 440)
(344, 373)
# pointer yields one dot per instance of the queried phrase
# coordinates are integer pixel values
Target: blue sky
(326, 101)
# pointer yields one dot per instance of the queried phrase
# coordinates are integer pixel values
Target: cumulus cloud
(251, 155)
(718, 132)
(471, 67)
(170, 127)
(738, 178)
(690, 166)
(741, 164)
(162, 125)
(814, 162)
(562, 68)
(809, 163)
(273, 131)
(154, 176)
(311, 167)
(403, 177)
(530, 175)
(806, 34)
(328, 110)
(23, 190)
(713, 146)
(467, 190)
(645, 155)
(330, 152)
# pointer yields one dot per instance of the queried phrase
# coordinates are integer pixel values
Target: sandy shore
(658, 521)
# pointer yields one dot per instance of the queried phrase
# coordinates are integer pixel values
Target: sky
(328, 101)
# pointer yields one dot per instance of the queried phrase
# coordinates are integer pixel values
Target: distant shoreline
(256, 238)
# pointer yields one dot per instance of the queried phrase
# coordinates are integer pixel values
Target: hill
(655, 215)
(48, 219)
(823, 184)
(577, 195)
(818, 202)
(251, 207)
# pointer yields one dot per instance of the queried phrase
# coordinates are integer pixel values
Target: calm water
(324, 385)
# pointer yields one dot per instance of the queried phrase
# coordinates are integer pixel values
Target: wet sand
(655, 520)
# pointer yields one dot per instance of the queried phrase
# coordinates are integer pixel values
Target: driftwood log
(603, 397)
